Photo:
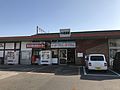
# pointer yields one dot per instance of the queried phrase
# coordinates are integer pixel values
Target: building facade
(59, 48)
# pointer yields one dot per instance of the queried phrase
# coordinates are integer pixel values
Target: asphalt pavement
(56, 77)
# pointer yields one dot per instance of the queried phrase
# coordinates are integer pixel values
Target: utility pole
(37, 29)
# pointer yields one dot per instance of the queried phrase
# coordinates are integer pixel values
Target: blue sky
(20, 17)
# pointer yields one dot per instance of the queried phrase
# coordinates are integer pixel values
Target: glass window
(9, 46)
(114, 42)
(96, 58)
(26, 55)
(54, 53)
(17, 45)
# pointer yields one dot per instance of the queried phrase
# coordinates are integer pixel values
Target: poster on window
(79, 54)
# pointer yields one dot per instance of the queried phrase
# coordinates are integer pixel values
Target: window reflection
(114, 46)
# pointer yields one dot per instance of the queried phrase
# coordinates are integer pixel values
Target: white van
(96, 62)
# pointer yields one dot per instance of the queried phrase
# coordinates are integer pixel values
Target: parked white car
(96, 62)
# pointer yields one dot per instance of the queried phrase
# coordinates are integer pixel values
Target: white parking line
(114, 72)
(79, 70)
(85, 73)
(40, 73)
(6, 74)
(34, 69)
(101, 75)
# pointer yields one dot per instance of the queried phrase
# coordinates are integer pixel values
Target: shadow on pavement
(65, 70)
(96, 78)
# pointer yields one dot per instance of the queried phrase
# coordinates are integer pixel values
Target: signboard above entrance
(65, 33)
(36, 45)
(63, 44)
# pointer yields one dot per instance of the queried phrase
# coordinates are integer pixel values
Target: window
(114, 42)
(54, 53)
(96, 58)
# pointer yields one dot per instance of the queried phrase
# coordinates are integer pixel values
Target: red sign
(35, 45)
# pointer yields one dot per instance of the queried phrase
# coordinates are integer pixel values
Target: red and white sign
(36, 45)
(63, 45)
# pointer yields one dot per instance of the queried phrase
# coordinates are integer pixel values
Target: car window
(97, 58)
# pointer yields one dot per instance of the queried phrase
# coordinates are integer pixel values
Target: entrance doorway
(35, 56)
(67, 56)
(63, 56)
(70, 56)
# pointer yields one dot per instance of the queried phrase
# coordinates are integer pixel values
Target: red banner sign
(35, 45)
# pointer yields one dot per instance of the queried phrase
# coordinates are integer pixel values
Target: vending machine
(12, 57)
(45, 57)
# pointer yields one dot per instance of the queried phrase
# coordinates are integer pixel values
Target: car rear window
(96, 58)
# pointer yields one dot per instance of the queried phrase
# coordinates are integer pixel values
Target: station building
(65, 47)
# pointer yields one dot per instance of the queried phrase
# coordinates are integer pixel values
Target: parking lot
(109, 72)
(56, 77)
(98, 75)
(65, 70)
(42, 69)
